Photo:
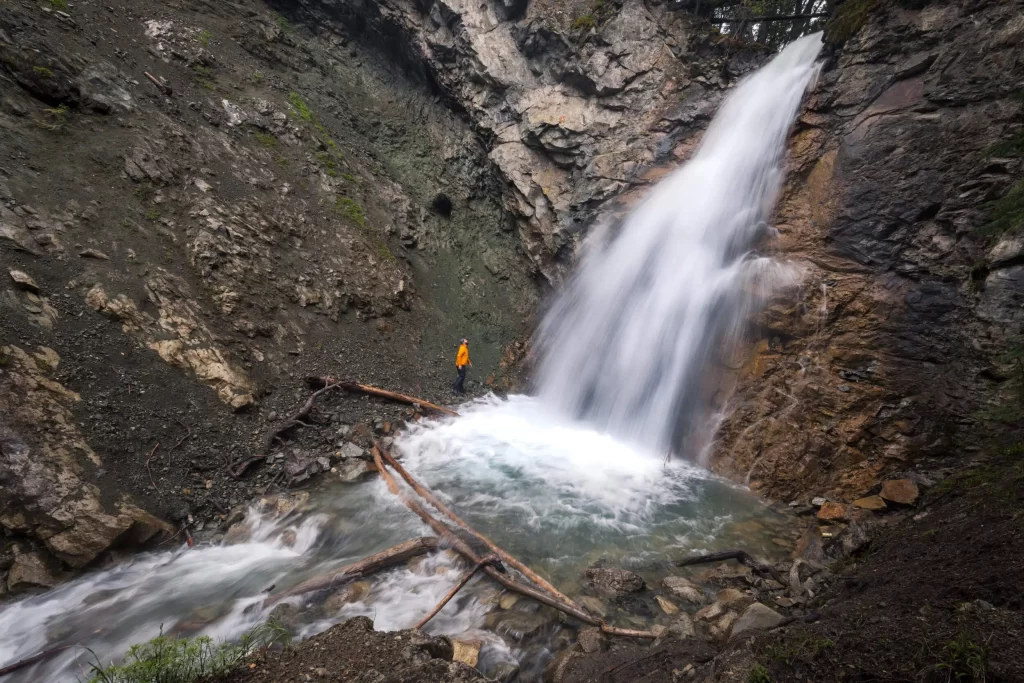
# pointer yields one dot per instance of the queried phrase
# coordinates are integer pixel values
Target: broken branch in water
(29, 661)
(511, 584)
(491, 560)
(236, 470)
(740, 556)
(382, 560)
(356, 387)
(443, 509)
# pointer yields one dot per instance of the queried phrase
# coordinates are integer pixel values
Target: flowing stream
(625, 348)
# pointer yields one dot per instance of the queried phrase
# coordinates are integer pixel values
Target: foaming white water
(629, 344)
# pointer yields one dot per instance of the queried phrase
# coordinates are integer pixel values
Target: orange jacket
(462, 358)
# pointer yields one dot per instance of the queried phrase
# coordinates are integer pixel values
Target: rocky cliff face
(910, 295)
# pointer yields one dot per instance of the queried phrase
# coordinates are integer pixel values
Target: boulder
(614, 581)
(811, 546)
(683, 589)
(870, 503)
(351, 450)
(666, 605)
(591, 640)
(756, 616)
(33, 569)
(833, 512)
(466, 651)
(733, 598)
(900, 491)
(711, 612)
(353, 470)
(353, 592)
(23, 280)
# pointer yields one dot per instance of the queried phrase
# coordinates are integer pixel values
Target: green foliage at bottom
(186, 660)
(963, 660)
(759, 674)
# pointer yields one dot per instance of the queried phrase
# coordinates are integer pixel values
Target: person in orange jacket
(461, 361)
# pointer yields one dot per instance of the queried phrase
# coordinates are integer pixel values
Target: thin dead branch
(492, 560)
(368, 565)
(161, 86)
(236, 470)
(444, 510)
(151, 454)
(740, 556)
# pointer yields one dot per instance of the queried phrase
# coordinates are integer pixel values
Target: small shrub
(349, 177)
(203, 76)
(265, 139)
(584, 22)
(301, 108)
(281, 161)
(283, 23)
(963, 660)
(153, 215)
(326, 160)
(1014, 147)
(186, 660)
(62, 5)
(1007, 212)
(43, 71)
(849, 19)
(203, 37)
(257, 76)
(759, 674)
(54, 119)
(350, 208)
(385, 253)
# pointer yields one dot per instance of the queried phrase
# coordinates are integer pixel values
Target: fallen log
(236, 470)
(368, 565)
(443, 509)
(460, 546)
(739, 555)
(29, 661)
(356, 387)
(489, 560)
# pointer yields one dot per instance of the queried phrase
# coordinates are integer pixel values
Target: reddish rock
(902, 491)
(833, 512)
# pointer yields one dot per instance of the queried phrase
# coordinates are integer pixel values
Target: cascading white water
(628, 345)
(625, 347)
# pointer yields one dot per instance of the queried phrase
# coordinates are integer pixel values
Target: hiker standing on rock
(461, 361)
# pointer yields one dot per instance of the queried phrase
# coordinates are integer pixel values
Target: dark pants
(458, 387)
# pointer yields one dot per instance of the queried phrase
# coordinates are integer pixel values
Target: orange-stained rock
(870, 503)
(833, 512)
(902, 491)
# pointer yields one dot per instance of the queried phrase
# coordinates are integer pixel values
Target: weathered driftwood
(489, 560)
(356, 387)
(368, 565)
(460, 546)
(739, 555)
(443, 509)
(392, 396)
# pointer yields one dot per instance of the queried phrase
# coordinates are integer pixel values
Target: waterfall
(632, 344)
